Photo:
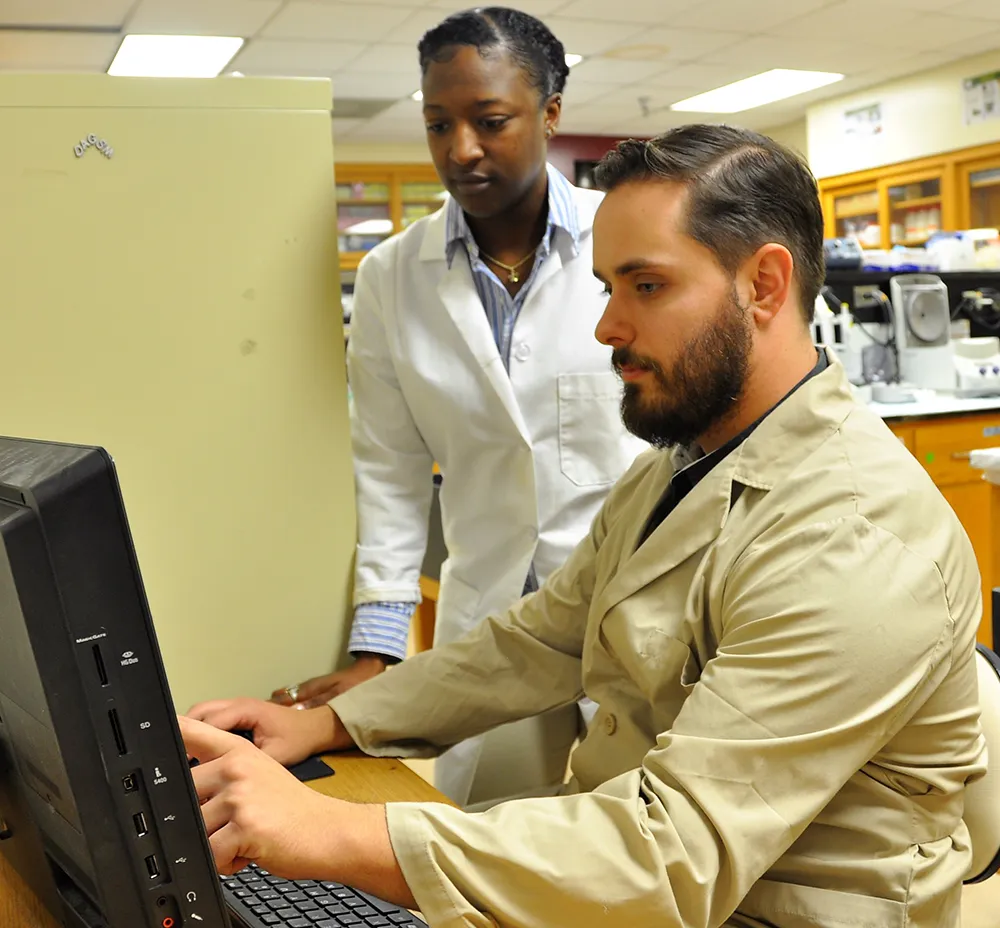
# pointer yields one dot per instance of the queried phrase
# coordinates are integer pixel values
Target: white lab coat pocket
(590, 449)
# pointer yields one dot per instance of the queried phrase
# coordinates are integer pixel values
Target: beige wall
(794, 135)
(922, 115)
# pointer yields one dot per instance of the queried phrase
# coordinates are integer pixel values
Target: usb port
(102, 671)
(139, 820)
(152, 867)
(116, 730)
(129, 783)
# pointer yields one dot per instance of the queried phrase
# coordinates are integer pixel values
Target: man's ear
(770, 271)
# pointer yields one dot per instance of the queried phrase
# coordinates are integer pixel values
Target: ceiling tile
(93, 13)
(590, 38)
(644, 12)
(375, 85)
(202, 17)
(270, 56)
(762, 53)
(412, 29)
(396, 59)
(579, 92)
(672, 46)
(887, 26)
(342, 22)
(24, 50)
(344, 127)
(988, 41)
(981, 9)
(609, 71)
(534, 7)
(740, 16)
(697, 76)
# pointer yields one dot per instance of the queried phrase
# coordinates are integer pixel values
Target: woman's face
(486, 129)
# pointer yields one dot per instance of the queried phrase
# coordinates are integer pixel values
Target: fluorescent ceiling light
(174, 55)
(758, 90)
(417, 95)
(370, 227)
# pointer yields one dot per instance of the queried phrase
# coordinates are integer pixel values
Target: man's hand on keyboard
(255, 811)
(287, 735)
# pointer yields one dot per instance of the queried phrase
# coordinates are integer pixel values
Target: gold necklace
(511, 269)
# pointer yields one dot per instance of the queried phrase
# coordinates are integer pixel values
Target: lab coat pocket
(457, 607)
(793, 906)
(590, 450)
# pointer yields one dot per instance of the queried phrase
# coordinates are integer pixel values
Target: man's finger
(204, 741)
(225, 844)
(215, 812)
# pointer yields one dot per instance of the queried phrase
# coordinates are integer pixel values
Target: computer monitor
(98, 812)
(98, 808)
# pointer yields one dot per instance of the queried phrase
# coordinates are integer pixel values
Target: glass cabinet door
(984, 197)
(420, 198)
(857, 215)
(914, 211)
(364, 215)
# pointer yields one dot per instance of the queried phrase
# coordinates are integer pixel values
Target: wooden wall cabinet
(942, 445)
(905, 203)
(375, 201)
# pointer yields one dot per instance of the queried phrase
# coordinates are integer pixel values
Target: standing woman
(472, 345)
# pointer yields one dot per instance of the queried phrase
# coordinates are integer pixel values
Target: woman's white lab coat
(526, 457)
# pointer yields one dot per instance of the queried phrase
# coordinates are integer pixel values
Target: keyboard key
(318, 916)
(365, 911)
(279, 904)
(307, 906)
(348, 920)
(260, 910)
(286, 888)
(285, 914)
(314, 891)
(332, 886)
(384, 907)
(330, 923)
(241, 893)
(268, 895)
(257, 886)
(275, 880)
(271, 919)
(351, 901)
(299, 923)
(378, 921)
(400, 918)
(336, 909)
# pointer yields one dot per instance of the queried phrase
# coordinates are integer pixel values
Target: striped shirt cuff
(382, 628)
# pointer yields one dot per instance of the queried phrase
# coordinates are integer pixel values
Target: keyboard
(260, 899)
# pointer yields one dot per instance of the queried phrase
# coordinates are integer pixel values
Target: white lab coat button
(521, 351)
(610, 724)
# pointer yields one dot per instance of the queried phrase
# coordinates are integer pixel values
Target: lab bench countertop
(927, 403)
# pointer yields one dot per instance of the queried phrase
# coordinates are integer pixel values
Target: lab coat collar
(434, 246)
(789, 435)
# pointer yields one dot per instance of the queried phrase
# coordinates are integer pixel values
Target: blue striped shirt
(383, 628)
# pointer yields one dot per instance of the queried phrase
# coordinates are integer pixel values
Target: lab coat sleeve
(822, 660)
(392, 464)
(519, 664)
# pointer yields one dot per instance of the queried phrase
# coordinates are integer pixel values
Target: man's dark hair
(493, 28)
(745, 190)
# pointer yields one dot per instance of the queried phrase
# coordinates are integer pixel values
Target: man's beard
(702, 387)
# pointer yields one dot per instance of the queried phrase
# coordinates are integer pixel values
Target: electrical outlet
(864, 296)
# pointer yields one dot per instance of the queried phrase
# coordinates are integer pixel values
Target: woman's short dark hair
(745, 190)
(527, 40)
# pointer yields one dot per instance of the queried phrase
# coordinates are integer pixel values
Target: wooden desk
(356, 777)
